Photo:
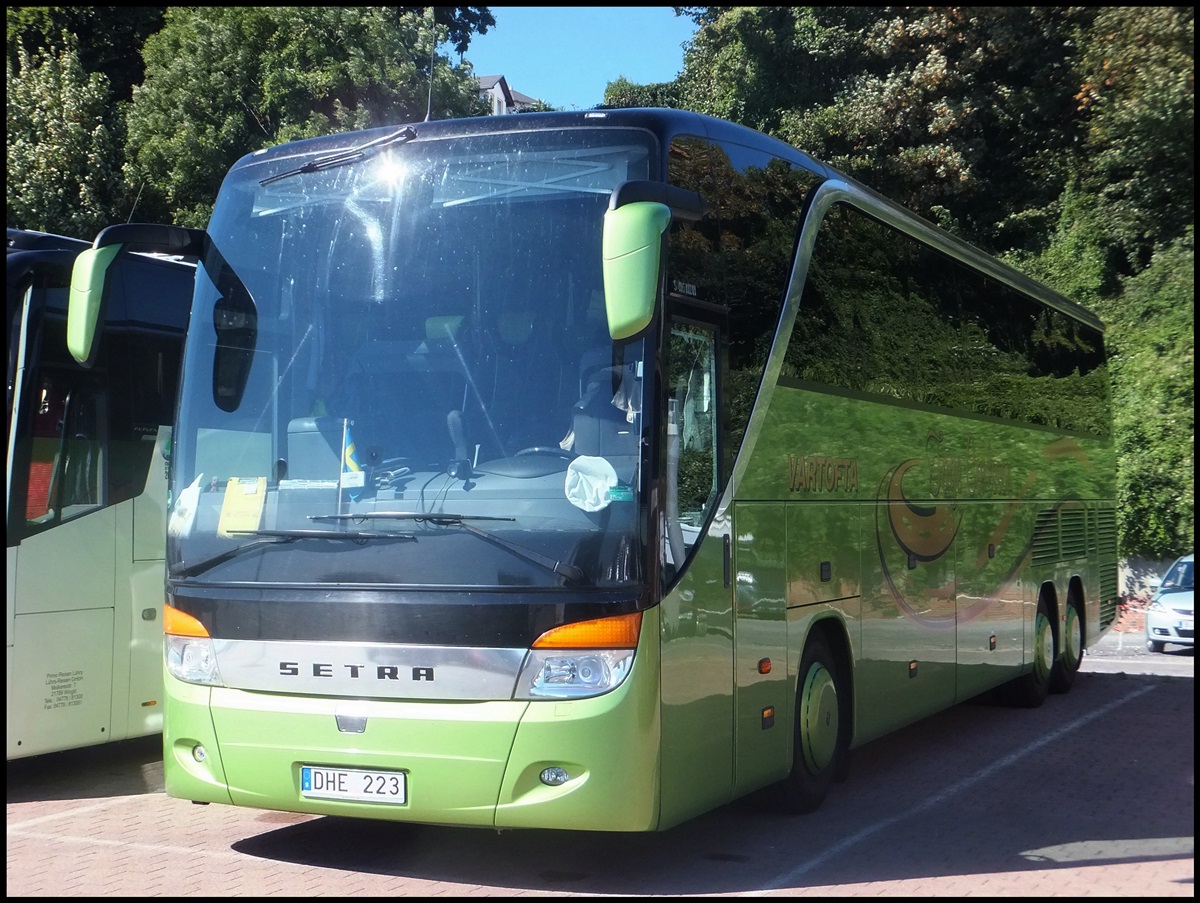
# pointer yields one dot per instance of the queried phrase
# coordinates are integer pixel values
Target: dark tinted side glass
(886, 315)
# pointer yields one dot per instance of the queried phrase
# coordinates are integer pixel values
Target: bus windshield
(399, 370)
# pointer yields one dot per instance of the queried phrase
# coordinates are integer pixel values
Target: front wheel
(1066, 666)
(1155, 645)
(821, 737)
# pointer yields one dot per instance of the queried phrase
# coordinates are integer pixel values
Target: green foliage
(1138, 161)
(1152, 343)
(63, 159)
(108, 39)
(222, 82)
(624, 94)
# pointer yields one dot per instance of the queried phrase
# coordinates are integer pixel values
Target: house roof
(511, 97)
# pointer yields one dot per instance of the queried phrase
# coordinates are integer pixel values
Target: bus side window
(83, 462)
(66, 465)
(692, 431)
(48, 407)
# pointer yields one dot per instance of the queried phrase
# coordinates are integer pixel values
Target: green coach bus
(591, 470)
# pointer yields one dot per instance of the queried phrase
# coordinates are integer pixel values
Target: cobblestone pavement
(1090, 795)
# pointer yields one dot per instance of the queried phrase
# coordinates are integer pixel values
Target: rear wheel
(1066, 666)
(822, 732)
(1030, 690)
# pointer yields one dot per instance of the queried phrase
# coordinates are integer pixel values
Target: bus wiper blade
(443, 519)
(280, 537)
(356, 536)
(200, 567)
(343, 157)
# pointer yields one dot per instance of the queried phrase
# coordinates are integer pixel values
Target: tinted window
(885, 315)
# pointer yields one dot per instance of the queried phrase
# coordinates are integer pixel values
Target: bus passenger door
(697, 609)
(62, 589)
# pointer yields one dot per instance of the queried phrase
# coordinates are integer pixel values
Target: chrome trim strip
(369, 670)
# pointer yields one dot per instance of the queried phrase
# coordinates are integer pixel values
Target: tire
(1155, 645)
(1030, 690)
(821, 738)
(1066, 666)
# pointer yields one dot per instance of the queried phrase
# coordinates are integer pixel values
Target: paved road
(1090, 795)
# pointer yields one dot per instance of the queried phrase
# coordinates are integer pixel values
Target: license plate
(1185, 625)
(319, 782)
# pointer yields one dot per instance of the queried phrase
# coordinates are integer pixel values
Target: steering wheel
(547, 450)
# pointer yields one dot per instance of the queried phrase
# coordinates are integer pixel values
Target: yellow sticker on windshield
(242, 507)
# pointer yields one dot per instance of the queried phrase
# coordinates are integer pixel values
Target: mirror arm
(153, 237)
(685, 205)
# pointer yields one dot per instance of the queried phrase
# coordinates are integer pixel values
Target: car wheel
(1066, 666)
(821, 739)
(1030, 689)
(1154, 645)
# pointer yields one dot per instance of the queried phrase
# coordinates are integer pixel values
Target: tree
(622, 93)
(1152, 343)
(1138, 85)
(224, 81)
(63, 159)
(108, 39)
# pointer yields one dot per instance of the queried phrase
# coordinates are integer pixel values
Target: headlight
(553, 673)
(583, 658)
(192, 660)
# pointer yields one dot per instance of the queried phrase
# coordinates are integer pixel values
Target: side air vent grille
(1106, 546)
(1073, 531)
(1045, 539)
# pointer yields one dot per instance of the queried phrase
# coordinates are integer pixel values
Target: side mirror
(86, 301)
(632, 251)
(89, 275)
(638, 215)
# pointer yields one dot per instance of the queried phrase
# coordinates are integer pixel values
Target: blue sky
(566, 55)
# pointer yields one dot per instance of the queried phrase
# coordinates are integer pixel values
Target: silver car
(1171, 616)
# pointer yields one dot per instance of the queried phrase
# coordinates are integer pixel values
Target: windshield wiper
(343, 157)
(280, 537)
(443, 519)
(440, 518)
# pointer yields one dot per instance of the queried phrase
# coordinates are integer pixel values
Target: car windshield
(413, 342)
(1180, 576)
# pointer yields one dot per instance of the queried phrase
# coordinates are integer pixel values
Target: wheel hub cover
(819, 718)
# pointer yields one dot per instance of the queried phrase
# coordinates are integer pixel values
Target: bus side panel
(144, 602)
(992, 596)
(763, 684)
(697, 682)
(59, 681)
(145, 595)
(61, 636)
